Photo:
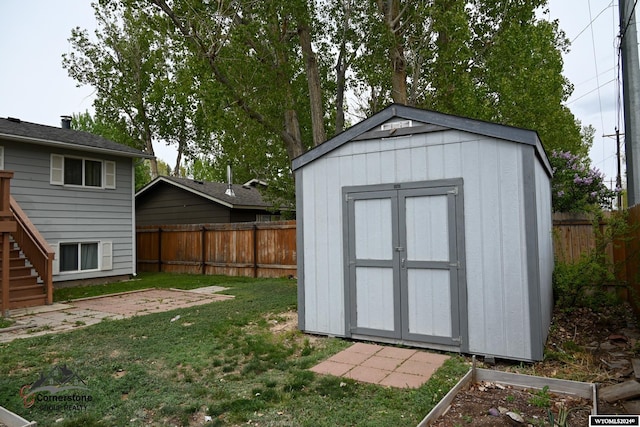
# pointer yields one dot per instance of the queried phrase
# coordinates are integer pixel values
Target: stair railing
(35, 248)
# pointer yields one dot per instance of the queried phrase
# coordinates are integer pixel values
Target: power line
(590, 24)
(595, 64)
(590, 92)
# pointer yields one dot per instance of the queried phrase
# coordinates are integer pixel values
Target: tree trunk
(313, 81)
(293, 138)
(392, 14)
(399, 77)
(181, 144)
(148, 145)
(340, 88)
(341, 70)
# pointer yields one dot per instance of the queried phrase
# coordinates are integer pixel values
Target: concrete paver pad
(383, 365)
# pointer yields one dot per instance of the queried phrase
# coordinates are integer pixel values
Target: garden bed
(486, 397)
(9, 419)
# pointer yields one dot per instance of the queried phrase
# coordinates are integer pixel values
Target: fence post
(159, 249)
(255, 249)
(204, 249)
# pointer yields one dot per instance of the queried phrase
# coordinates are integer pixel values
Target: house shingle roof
(34, 133)
(246, 197)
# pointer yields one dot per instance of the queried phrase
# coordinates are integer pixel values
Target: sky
(34, 87)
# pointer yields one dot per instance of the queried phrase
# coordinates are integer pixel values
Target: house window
(1, 158)
(78, 256)
(77, 171)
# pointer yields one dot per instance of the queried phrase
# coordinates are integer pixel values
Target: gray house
(429, 230)
(172, 200)
(77, 190)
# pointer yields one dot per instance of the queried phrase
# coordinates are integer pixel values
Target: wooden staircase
(26, 260)
(25, 290)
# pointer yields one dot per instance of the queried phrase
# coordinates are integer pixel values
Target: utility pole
(619, 174)
(631, 97)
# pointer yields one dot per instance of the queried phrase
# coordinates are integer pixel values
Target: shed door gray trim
(399, 262)
(533, 255)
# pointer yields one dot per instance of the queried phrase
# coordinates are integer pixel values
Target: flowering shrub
(576, 187)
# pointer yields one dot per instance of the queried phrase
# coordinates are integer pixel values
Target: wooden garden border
(517, 381)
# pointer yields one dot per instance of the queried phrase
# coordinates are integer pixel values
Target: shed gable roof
(246, 197)
(33, 133)
(428, 121)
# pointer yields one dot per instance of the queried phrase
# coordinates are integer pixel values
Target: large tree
(256, 83)
(139, 75)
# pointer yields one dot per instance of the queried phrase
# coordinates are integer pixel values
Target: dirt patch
(284, 322)
(488, 404)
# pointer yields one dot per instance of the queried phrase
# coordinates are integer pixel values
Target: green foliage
(562, 419)
(586, 282)
(541, 398)
(227, 82)
(576, 187)
(581, 284)
(6, 322)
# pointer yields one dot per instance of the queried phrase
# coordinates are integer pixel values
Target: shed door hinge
(453, 191)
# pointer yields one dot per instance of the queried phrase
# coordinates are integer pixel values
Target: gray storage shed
(429, 230)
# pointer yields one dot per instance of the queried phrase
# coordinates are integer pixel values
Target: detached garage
(428, 230)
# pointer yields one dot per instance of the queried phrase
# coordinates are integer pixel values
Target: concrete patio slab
(35, 321)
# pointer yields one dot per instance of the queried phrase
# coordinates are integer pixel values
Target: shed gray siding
(74, 214)
(545, 245)
(499, 316)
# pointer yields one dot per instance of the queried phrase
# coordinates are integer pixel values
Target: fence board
(573, 235)
(239, 249)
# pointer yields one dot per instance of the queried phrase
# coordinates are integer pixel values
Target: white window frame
(105, 256)
(108, 178)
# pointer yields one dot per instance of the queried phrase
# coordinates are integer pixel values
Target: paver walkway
(389, 366)
(59, 317)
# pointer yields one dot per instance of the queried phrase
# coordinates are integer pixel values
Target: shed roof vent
(396, 125)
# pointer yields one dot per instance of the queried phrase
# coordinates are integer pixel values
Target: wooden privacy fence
(240, 249)
(574, 235)
(269, 249)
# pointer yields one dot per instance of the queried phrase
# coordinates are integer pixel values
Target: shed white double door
(403, 243)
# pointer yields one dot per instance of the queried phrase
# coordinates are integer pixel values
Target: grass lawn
(221, 360)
